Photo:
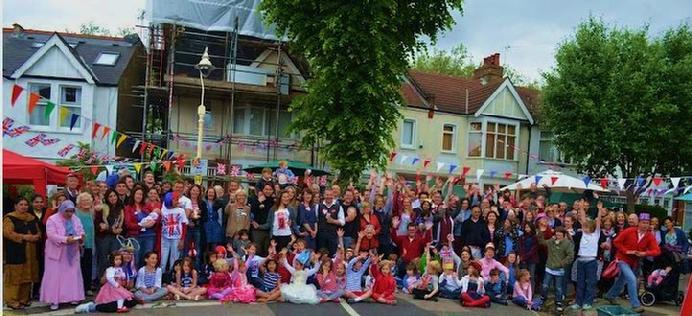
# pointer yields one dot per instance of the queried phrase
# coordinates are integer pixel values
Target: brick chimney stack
(490, 71)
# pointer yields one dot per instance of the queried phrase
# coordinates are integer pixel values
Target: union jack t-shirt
(172, 221)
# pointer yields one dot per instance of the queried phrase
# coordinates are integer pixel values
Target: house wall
(98, 103)
(54, 64)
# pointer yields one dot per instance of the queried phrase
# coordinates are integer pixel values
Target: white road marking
(349, 310)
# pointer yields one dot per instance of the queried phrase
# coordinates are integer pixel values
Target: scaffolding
(245, 74)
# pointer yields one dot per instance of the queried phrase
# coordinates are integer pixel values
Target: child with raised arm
(382, 290)
(354, 273)
(185, 285)
(427, 287)
(241, 291)
(330, 289)
(298, 292)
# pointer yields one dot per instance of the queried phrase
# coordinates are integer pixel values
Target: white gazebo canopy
(562, 182)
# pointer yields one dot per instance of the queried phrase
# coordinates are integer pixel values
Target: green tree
(92, 28)
(455, 62)
(82, 161)
(617, 101)
(358, 53)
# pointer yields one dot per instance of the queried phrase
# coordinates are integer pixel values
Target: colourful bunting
(66, 150)
(220, 169)
(235, 170)
(153, 165)
(73, 120)
(33, 100)
(675, 181)
(95, 129)
(94, 169)
(391, 156)
(586, 180)
(464, 171)
(138, 166)
(604, 183)
(50, 106)
(507, 175)
(440, 165)
(121, 139)
(134, 148)
(142, 147)
(180, 162)
(426, 162)
(106, 130)
(16, 91)
(553, 179)
(537, 179)
(8, 130)
(63, 113)
(479, 174)
(41, 138)
(451, 168)
(415, 160)
(114, 137)
(621, 183)
(493, 173)
(167, 165)
(657, 181)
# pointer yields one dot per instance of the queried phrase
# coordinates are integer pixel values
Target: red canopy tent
(17, 169)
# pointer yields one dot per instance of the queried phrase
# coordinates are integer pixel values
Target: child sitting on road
(496, 288)
(354, 274)
(523, 293)
(472, 288)
(409, 281)
(271, 280)
(384, 286)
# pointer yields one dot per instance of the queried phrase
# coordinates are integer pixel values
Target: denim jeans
(521, 301)
(146, 244)
(626, 276)
(446, 293)
(586, 281)
(194, 234)
(157, 295)
(169, 249)
(547, 280)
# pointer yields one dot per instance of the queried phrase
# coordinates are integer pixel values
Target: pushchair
(667, 289)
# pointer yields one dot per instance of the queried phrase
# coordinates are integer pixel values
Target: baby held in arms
(148, 220)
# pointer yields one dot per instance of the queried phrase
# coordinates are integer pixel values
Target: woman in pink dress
(62, 279)
(242, 291)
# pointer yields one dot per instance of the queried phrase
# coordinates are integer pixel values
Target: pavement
(406, 306)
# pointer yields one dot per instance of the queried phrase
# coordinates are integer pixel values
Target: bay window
(492, 139)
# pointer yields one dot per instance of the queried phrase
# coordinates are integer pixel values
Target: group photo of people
(110, 244)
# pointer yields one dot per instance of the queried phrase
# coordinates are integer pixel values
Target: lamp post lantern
(205, 67)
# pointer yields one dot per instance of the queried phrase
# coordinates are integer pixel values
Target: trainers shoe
(122, 310)
(83, 308)
(586, 307)
(638, 309)
(54, 307)
(574, 306)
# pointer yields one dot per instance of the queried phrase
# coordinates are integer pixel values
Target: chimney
(490, 71)
(17, 30)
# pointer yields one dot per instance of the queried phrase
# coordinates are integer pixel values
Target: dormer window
(107, 59)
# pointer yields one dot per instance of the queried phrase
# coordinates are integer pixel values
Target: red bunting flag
(167, 165)
(94, 169)
(553, 179)
(95, 129)
(33, 100)
(16, 91)
(392, 155)
(426, 162)
(657, 181)
(180, 161)
(604, 183)
(507, 175)
(106, 129)
(465, 170)
(142, 147)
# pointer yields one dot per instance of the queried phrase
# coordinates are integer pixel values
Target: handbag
(612, 270)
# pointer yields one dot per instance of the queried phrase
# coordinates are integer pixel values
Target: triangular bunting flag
(522, 176)
(50, 106)
(479, 174)
(440, 165)
(553, 179)
(171, 154)
(675, 181)
(142, 147)
(164, 152)
(16, 91)
(641, 181)
(180, 161)
(33, 100)
(154, 166)
(94, 169)
(657, 181)
(64, 112)
(586, 180)
(106, 130)
(426, 162)
(403, 159)
(114, 137)
(138, 166)
(134, 148)
(493, 173)
(464, 171)
(507, 175)
(621, 183)
(95, 129)
(110, 169)
(451, 168)
(415, 160)
(73, 120)
(391, 156)
(687, 189)
(167, 165)
(121, 139)
(537, 179)
(604, 183)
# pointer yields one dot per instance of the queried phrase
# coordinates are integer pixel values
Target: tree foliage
(455, 62)
(91, 28)
(358, 52)
(82, 161)
(618, 100)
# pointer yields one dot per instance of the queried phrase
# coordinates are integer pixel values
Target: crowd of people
(129, 242)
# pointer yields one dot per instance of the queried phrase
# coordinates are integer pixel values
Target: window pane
(284, 122)
(501, 128)
(447, 141)
(476, 126)
(501, 145)
(71, 95)
(448, 128)
(407, 133)
(511, 130)
(106, 59)
(490, 146)
(239, 121)
(271, 123)
(510, 148)
(38, 116)
(73, 110)
(474, 149)
(256, 121)
(491, 127)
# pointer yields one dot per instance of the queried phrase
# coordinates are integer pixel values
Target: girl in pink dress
(242, 291)
(220, 283)
(114, 289)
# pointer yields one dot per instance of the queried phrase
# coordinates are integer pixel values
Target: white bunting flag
(440, 165)
(675, 182)
(403, 159)
(479, 174)
(110, 169)
(134, 148)
(621, 183)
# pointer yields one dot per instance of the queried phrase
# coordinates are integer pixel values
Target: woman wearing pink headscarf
(62, 280)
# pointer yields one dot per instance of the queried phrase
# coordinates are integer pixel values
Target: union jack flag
(170, 223)
(7, 128)
(41, 138)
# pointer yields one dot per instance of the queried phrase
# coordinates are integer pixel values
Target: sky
(524, 32)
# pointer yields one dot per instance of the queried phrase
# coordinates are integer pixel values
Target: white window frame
(468, 138)
(69, 105)
(497, 143)
(246, 122)
(556, 153)
(115, 61)
(41, 101)
(484, 126)
(412, 145)
(454, 138)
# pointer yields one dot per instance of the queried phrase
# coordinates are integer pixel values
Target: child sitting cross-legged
(330, 289)
(382, 290)
(409, 281)
(298, 291)
(354, 274)
(271, 280)
(427, 287)
(472, 288)
(450, 284)
(496, 287)
(523, 293)
(185, 285)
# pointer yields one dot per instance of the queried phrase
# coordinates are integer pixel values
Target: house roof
(18, 49)
(448, 93)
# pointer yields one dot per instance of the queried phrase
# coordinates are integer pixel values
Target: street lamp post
(205, 67)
